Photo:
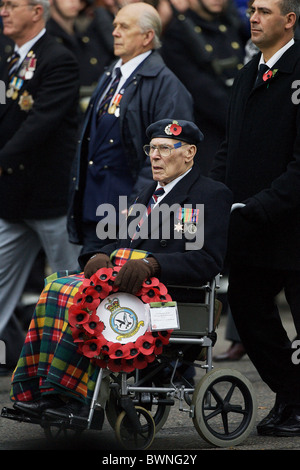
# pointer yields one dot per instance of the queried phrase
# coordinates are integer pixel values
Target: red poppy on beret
(175, 129)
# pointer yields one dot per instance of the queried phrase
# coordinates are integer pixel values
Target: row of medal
(114, 108)
(26, 72)
(187, 220)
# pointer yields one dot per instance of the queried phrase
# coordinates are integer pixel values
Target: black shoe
(37, 407)
(279, 413)
(290, 427)
(72, 408)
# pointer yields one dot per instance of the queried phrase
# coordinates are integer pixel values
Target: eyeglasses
(163, 150)
(10, 6)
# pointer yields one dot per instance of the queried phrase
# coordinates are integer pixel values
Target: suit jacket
(37, 143)
(260, 163)
(153, 93)
(191, 264)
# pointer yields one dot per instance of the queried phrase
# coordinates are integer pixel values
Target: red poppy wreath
(88, 329)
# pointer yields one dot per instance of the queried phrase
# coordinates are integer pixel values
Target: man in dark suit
(37, 144)
(110, 161)
(260, 163)
(181, 255)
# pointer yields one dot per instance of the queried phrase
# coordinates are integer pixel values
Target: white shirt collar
(129, 67)
(23, 50)
(271, 62)
(169, 186)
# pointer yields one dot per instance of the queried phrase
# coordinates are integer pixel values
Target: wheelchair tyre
(128, 437)
(225, 407)
(159, 412)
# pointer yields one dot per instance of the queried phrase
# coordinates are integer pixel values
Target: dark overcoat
(260, 163)
(38, 142)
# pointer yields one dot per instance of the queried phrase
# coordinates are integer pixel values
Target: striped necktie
(157, 193)
(12, 63)
(104, 104)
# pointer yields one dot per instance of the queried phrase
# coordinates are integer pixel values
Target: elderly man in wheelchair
(68, 340)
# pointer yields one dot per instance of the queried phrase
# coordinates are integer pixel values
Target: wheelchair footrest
(74, 422)
(17, 415)
(66, 422)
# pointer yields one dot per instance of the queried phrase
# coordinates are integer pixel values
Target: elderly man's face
(17, 17)
(129, 40)
(165, 168)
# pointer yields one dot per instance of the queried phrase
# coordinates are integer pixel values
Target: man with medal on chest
(136, 90)
(39, 125)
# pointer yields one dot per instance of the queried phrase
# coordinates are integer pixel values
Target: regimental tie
(12, 63)
(105, 102)
(157, 193)
(263, 68)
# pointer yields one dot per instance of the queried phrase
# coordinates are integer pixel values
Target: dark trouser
(251, 295)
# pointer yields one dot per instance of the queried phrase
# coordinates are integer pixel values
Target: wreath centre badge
(124, 317)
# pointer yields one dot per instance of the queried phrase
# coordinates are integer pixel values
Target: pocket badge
(26, 101)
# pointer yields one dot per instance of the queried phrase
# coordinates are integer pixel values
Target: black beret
(186, 131)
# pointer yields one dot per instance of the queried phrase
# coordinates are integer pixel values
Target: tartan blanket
(49, 361)
(120, 256)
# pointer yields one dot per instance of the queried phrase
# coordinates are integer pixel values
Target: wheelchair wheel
(130, 438)
(159, 411)
(224, 407)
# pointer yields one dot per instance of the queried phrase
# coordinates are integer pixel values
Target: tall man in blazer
(260, 162)
(110, 161)
(37, 145)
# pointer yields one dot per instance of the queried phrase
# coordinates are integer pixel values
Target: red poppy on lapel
(267, 75)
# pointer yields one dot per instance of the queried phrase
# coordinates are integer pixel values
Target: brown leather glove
(134, 272)
(97, 262)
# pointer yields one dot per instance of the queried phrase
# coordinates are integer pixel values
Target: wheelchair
(222, 405)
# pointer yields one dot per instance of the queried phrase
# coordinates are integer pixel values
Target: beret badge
(173, 129)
